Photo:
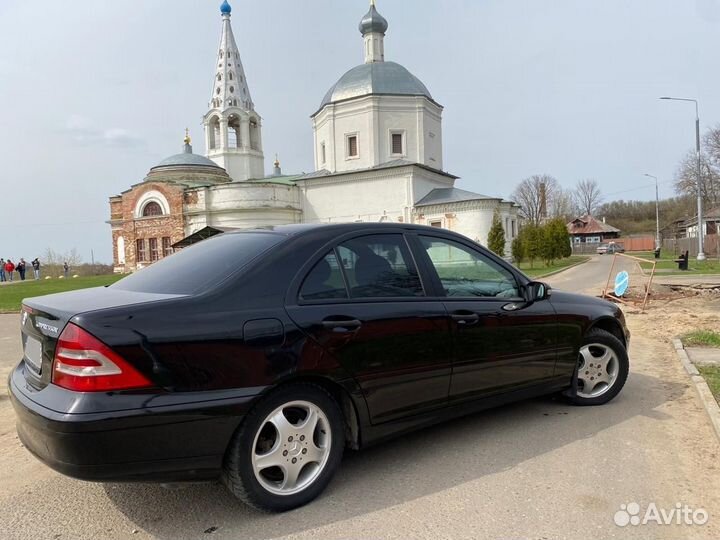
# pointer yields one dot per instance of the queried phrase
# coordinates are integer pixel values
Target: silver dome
(373, 22)
(387, 78)
(187, 159)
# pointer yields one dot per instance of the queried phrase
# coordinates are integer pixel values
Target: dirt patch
(676, 310)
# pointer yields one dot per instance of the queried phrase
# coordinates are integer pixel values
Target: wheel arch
(342, 396)
(610, 325)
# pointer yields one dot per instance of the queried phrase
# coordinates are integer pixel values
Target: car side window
(380, 266)
(466, 272)
(324, 281)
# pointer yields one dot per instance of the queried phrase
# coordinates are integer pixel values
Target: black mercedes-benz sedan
(259, 356)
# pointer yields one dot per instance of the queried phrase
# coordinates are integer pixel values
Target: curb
(702, 388)
(561, 269)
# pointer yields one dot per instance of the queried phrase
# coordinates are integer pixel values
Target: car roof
(339, 228)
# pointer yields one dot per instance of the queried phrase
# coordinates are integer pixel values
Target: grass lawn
(712, 377)
(706, 338)
(11, 295)
(540, 269)
(667, 265)
(701, 338)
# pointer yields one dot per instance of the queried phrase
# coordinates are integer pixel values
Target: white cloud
(84, 131)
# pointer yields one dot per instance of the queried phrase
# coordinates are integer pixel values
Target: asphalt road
(588, 278)
(537, 469)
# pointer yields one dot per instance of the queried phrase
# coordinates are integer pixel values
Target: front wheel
(287, 449)
(603, 367)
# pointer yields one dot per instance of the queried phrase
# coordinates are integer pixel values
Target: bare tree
(686, 177)
(563, 205)
(587, 196)
(537, 196)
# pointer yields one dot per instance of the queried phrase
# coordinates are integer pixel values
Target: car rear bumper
(160, 438)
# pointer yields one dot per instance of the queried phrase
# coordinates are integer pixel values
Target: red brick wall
(122, 212)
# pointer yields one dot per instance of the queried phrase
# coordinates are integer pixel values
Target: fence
(631, 243)
(637, 243)
(680, 245)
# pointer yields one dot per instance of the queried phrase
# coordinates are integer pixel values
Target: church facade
(378, 157)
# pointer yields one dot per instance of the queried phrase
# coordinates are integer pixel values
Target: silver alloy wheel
(291, 447)
(598, 369)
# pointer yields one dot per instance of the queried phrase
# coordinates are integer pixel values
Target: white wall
(470, 218)
(242, 205)
(371, 196)
(374, 195)
(374, 119)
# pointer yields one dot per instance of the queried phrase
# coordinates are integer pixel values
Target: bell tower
(233, 129)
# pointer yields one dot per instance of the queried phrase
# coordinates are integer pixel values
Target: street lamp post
(701, 252)
(657, 212)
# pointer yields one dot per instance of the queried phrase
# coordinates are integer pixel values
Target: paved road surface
(538, 469)
(588, 278)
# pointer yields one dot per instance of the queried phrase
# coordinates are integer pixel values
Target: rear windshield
(200, 266)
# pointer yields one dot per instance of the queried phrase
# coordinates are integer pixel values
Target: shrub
(496, 236)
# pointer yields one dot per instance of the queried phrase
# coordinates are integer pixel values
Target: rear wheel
(287, 450)
(603, 367)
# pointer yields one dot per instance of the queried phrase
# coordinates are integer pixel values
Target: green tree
(530, 238)
(555, 241)
(496, 236)
(518, 250)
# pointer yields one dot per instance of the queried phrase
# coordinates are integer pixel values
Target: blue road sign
(622, 280)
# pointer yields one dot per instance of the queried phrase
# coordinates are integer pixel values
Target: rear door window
(379, 266)
(325, 281)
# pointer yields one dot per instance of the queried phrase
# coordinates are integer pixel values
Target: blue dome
(225, 8)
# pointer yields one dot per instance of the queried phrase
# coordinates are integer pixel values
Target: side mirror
(537, 290)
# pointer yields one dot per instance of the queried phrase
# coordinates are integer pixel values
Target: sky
(94, 93)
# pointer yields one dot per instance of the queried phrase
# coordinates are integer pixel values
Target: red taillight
(85, 364)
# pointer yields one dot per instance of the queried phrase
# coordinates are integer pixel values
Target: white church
(378, 158)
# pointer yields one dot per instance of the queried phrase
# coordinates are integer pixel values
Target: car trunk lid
(43, 319)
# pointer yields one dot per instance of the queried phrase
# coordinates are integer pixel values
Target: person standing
(36, 267)
(2, 269)
(66, 269)
(9, 269)
(21, 269)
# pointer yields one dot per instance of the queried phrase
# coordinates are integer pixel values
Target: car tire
(603, 367)
(277, 432)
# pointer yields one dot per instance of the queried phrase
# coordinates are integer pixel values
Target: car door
(363, 301)
(501, 341)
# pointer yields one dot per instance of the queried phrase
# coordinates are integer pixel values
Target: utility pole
(657, 212)
(701, 239)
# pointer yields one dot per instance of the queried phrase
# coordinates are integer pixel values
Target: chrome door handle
(341, 324)
(465, 319)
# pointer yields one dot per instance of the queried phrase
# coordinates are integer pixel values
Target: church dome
(373, 22)
(387, 78)
(225, 8)
(186, 160)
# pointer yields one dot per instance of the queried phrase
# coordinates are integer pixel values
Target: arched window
(254, 134)
(230, 75)
(152, 209)
(219, 77)
(234, 140)
(213, 132)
